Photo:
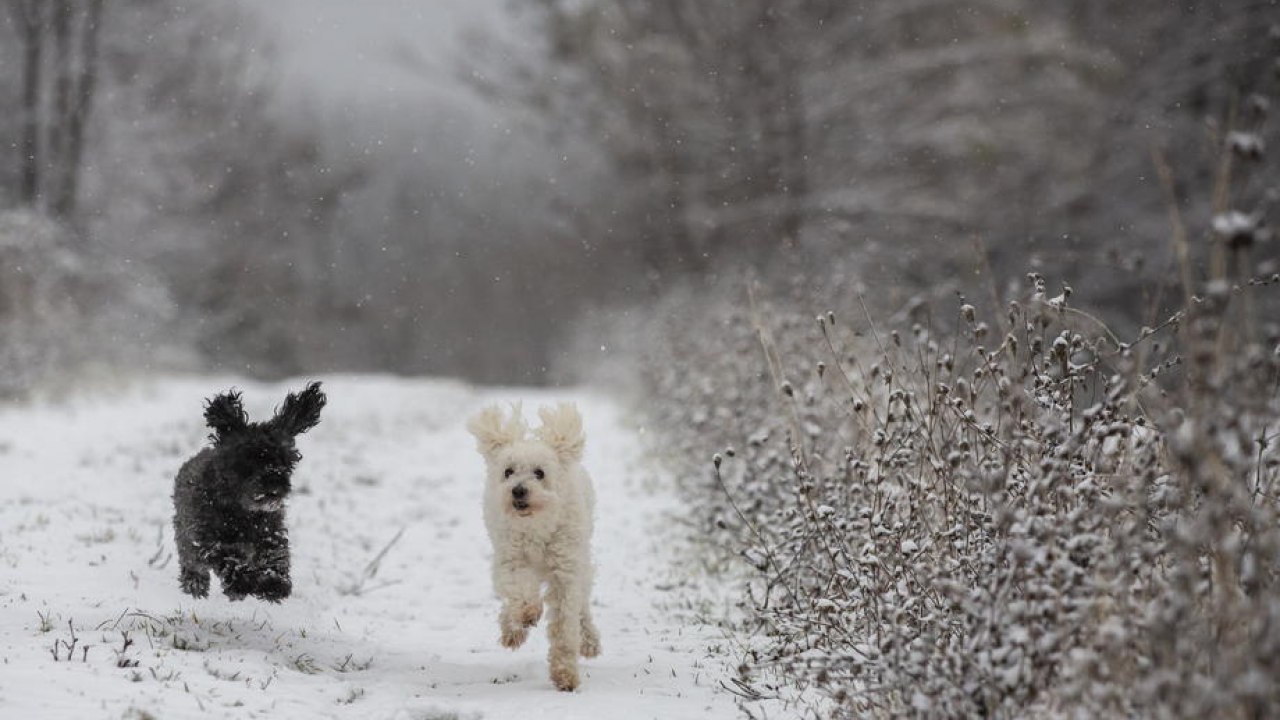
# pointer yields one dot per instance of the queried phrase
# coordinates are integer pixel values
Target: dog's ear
(562, 429)
(493, 431)
(300, 411)
(225, 414)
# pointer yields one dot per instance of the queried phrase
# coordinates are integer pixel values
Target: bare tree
(27, 19)
(77, 83)
(61, 37)
(751, 126)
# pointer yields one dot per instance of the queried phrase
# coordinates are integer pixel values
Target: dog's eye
(509, 472)
(539, 474)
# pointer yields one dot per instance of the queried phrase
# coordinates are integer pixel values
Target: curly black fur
(229, 499)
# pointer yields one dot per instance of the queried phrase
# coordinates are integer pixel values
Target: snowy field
(392, 615)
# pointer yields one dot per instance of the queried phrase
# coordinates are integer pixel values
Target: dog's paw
(195, 583)
(529, 615)
(274, 589)
(564, 677)
(513, 638)
(515, 621)
(236, 587)
(590, 645)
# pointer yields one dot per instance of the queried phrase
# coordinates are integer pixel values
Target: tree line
(629, 147)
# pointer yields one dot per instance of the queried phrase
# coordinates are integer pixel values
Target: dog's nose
(519, 491)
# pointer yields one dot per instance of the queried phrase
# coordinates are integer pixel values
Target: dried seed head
(1258, 105)
(1246, 145)
(1237, 229)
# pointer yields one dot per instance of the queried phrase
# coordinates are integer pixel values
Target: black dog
(229, 499)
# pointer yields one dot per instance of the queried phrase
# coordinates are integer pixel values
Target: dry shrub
(991, 517)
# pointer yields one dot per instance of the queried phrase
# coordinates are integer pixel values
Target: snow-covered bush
(64, 308)
(956, 515)
(995, 505)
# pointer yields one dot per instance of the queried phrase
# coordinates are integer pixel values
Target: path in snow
(86, 547)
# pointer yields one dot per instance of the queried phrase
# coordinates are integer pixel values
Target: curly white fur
(541, 530)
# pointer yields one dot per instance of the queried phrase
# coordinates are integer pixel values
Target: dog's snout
(519, 492)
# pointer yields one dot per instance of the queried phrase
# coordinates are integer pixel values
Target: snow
(86, 547)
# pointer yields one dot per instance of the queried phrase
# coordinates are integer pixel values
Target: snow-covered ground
(86, 561)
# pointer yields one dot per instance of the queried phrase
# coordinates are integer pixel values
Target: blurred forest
(163, 207)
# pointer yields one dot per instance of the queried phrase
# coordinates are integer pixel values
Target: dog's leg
(564, 628)
(193, 574)
(271, 563)
(231, 564)
(518, 587)
(590, 635)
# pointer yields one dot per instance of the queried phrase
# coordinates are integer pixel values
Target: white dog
(538, 503)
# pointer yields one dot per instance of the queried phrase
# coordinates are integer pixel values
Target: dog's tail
(562, 429)
(493, 431)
